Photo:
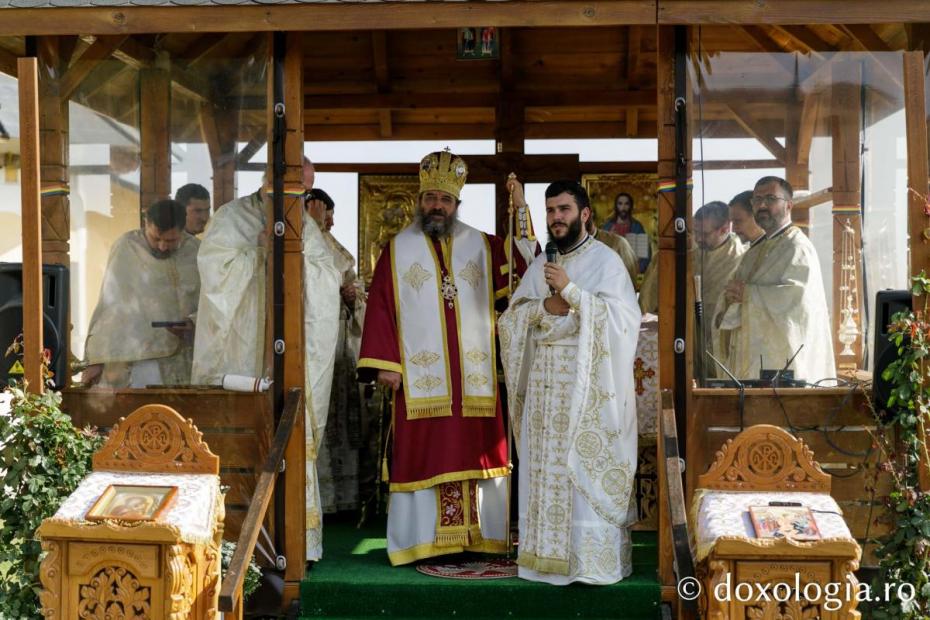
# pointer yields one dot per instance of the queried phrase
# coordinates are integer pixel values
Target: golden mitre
(443, 171)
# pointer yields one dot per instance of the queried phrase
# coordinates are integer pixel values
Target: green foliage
(253, 576)
(42, 460)
(904, 553)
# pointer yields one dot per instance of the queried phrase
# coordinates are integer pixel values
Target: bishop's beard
(436, 228)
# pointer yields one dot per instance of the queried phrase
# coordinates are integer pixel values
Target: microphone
(552, 250)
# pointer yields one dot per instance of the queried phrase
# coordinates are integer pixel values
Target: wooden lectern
(140, 536)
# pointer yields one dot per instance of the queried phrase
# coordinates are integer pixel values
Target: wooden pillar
(797, 155)
(846, 116)
(155, 130)
(509, 129)
(665, 82)
(219, 128)
(918, 184)
(53, 57)
(28, 72)
(53, 131)
(293, 358)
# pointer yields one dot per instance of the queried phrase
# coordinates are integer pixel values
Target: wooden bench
(748, 577)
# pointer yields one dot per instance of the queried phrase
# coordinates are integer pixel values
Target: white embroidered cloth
(192, 512)
(726, 513)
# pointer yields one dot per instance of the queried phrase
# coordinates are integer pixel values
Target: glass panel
(167, 116)
(831, 124)
(10, 197)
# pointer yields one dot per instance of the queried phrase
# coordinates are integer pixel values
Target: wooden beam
(737, 164)
(847, 226)
(762, 39)
(326, 16)
(102, 49)
(385, 124)
(633, 55)
(918, 184)
(54, 123)
(379, 53)
(155, 134)
(632, 122)
(8, 63)
(867, 37)
(200, 48)
(666, 167)
(401, 101)
(805, 39)
(794, 12)
(744, 117)
(295, 538)
(30, 190)
(810, 111)
(810, 201)
(135, 54)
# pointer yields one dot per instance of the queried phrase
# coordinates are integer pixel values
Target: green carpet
(354, 580)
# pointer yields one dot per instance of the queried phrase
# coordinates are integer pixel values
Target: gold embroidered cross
(640, 373)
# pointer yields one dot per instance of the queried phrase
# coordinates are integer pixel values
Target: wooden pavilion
(245, 77)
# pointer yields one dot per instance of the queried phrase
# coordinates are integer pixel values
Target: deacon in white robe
(231, 318)
(775, 302)
(338, 460)
(568, 361)
(151, 276)
(715, 260)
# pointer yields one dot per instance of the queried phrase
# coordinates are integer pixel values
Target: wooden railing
(231, 590)
(678, 515)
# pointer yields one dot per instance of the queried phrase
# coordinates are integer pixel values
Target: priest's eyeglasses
(770, 200)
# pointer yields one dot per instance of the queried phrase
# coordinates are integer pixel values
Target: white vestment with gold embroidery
(321, 321)
(573, 406)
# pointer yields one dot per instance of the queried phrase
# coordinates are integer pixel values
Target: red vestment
(429, 451)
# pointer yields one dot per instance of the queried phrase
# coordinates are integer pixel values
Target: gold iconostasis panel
(642, 186)
(386, 204)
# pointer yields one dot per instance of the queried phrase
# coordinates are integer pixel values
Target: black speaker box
(55, 297)
(887, 304)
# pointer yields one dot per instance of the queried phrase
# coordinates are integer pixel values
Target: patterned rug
(473, 569)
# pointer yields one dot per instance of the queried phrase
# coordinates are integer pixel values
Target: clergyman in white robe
(231, 321)
(783, 308)
(138, 289)
(573, 408)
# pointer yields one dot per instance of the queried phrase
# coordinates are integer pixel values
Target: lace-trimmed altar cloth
(726, 513)
(192, 512)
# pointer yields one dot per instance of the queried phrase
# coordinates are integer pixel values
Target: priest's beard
(437, 228)
(570, 236)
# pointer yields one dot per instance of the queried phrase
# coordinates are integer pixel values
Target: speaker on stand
(887, 304)
(55, 298)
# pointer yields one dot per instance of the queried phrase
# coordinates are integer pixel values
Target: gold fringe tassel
(432, 411)
(451, 537)
(479, 411)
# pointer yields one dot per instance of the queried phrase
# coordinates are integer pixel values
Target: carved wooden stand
(766, 458)
(136, 570)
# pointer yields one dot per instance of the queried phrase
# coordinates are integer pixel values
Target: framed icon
(477, 43)
(132, 502)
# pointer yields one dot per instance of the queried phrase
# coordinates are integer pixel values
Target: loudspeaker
(55, 296)
(887, 304)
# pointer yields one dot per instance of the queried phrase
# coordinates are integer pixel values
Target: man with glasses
(429, 337)
(775, 303)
